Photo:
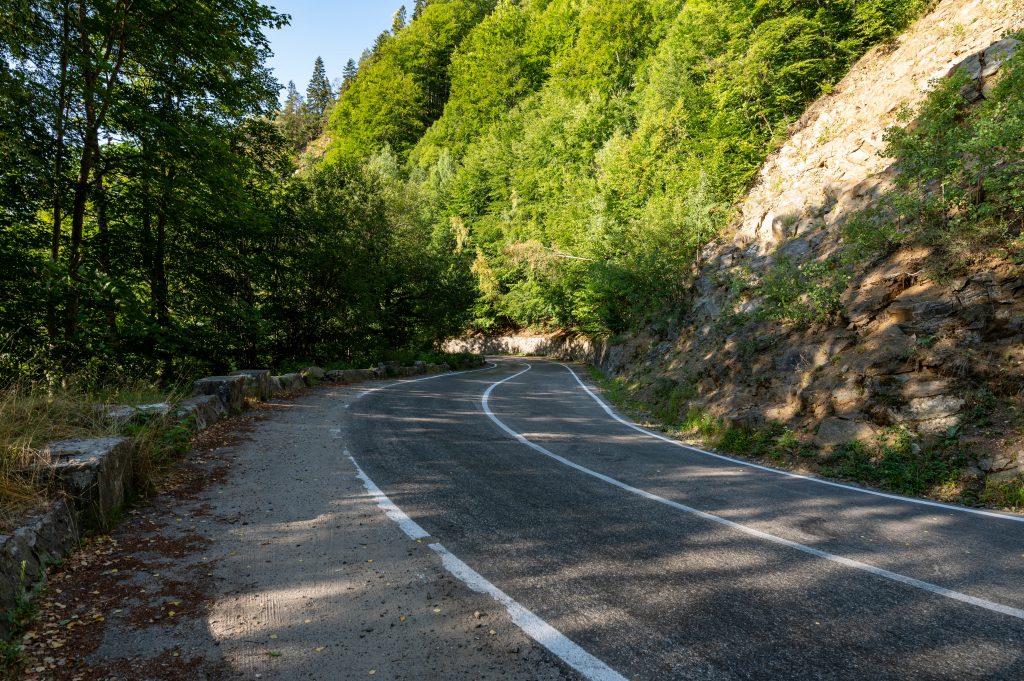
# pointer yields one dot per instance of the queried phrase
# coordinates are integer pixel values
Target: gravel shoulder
(266, 558)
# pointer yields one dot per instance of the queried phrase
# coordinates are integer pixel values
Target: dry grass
(33, 415)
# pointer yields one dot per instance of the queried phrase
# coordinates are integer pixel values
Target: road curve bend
(629, 555)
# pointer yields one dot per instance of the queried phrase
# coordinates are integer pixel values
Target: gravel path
(270, 560)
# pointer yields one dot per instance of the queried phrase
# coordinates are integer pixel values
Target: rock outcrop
(910, 349)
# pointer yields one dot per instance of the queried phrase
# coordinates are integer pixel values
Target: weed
(1005, 494)
(896, 464)
(19, 620)
(981, 405)
(803, 293)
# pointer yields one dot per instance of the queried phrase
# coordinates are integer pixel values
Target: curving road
(628, 555)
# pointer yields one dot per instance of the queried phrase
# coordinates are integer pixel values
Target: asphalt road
(630, 555)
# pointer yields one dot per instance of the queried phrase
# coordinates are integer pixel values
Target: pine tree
(417, 9)
(347, 74)
(292, 121)
(293, 102)
(399, 20)
(318, 94)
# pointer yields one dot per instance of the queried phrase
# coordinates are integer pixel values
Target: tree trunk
(58, 172)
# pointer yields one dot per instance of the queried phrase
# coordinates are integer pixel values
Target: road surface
(626, 555)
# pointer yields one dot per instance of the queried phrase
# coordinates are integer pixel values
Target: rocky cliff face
(907, 349)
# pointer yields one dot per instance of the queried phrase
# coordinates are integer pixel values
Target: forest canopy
(487, 165)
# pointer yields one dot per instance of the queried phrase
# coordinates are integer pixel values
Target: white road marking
(408, 525)
(877, 571)
(363, 394)
(788, 474)
(540, 631)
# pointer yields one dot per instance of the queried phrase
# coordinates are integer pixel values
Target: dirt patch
(146, 577)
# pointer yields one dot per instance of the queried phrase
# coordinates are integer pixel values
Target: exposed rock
(229, 389)
(257, 383)
(913, 388)
(836, 431)
(199, 413)
(848, 399)
(96, 474)
(888, 352)
(929, 408)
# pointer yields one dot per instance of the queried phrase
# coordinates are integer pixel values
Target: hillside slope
(920, 358)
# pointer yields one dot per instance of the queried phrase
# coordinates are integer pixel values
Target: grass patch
(896, 464)
(33, 415)
(1009, 494)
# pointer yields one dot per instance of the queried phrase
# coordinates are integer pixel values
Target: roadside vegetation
(958, 183)
(896, 462)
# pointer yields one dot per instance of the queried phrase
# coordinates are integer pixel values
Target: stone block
(257, 383)
(96, 474)
(201, 412)
(137, 413)
(350, 375)
(230, 390)
(25, 553)
(291, 382)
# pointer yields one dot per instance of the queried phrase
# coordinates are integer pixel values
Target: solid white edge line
(848, 562)
(491, 365)
(895, 497)
(540, 631)
(408, 525)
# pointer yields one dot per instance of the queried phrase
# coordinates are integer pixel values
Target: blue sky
(337, 30)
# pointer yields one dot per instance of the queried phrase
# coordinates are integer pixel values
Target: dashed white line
(877, 571)
(533, 626)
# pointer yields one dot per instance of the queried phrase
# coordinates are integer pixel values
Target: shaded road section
(657, 592)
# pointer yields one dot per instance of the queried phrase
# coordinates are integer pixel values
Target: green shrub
(958, 186)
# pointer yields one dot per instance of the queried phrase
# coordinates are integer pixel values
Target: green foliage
(1008, 494)
(802, 293)
(895, 464)
(600, 145)
(403, 85)
(958, 187)
(151, 222)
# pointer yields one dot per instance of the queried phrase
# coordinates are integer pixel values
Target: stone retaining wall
(95, 476)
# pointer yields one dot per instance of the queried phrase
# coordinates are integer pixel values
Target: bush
(959, 182)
